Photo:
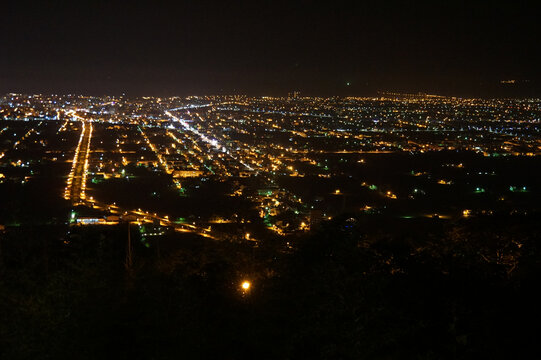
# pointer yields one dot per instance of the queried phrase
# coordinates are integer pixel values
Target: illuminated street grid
(250, 167)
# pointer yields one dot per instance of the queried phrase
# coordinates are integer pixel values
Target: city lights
(262, 179)
(215, 151)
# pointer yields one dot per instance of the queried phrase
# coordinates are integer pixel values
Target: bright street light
(246, 285)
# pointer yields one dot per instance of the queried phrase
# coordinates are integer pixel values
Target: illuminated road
(205, 138)
(141, 217)
(18, 142)
(25, 136)
(75, 191)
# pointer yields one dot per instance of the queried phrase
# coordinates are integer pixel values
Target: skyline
(97, 48)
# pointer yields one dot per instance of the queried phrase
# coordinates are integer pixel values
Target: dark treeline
(358, 288)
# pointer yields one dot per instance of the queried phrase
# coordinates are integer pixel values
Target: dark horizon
(457, 49)
(522, 91)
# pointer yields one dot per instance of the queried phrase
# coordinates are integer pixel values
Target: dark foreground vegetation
(359, 288)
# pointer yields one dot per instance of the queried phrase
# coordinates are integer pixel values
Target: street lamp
(245, 285)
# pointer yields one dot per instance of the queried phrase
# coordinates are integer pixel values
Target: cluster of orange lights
(68, 189)
(85, 168)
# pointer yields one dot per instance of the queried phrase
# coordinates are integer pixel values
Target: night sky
(270, 48)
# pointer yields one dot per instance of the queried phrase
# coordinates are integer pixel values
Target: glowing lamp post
(246, 285)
